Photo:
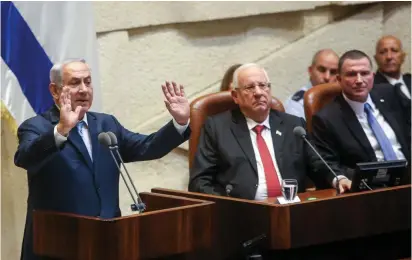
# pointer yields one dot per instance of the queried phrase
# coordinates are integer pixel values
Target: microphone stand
(327, 165)
(139, 206)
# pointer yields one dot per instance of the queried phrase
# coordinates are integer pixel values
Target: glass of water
(289, 189)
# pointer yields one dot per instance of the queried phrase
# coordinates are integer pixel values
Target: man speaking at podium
(68, 169)
(246, 152)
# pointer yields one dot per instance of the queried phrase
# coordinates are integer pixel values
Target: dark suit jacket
(380, 79)
(405, 102)
(225, 155)
(339, 136)
(66, 180)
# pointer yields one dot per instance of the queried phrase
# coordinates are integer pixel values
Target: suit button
(256, 185)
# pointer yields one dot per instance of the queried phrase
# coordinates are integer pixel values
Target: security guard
(323, 69)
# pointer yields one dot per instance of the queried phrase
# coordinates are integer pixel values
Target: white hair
(56, 72)
(245, 66)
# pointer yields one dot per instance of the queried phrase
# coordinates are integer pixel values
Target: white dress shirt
(294, 104)
(60, 139)
(358, 108)
(404, 88)
(261, 192)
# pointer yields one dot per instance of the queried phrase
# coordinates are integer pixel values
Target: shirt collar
(251, 123)
(393, 81)
(84, 117)
(359, 107)
(308, 86)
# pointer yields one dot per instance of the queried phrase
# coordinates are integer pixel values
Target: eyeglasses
(251, 88)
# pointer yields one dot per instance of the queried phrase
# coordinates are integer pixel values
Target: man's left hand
(176, 102)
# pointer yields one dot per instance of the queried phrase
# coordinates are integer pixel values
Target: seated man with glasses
(247, 152)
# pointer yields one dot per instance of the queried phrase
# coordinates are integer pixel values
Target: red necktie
(272, 180)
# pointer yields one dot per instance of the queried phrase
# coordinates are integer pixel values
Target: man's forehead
(78, 69)
(327, 58)
(350, 64)
(389, 41)
(251, 73)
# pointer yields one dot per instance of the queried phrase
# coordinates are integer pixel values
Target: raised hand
(176, 102)
(68, 117)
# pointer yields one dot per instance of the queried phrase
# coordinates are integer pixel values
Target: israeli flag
(34, 36)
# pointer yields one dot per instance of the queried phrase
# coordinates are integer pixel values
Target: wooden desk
(365, 225)
(172, 228)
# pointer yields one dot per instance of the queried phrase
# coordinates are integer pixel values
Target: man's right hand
(68, 117)
(344, 185)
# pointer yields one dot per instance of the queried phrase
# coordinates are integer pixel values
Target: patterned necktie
(272, 180)
(80, 126)
(384, 143)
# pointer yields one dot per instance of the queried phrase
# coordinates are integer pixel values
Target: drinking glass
(289, 189)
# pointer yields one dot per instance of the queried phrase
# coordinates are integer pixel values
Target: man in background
(323, 69)
(390, 56)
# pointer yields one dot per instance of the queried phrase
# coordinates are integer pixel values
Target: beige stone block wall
(142, 44)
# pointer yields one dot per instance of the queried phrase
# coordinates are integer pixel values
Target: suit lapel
(241, 132)
(76, 140)
(277, 130)
(379, 78)
(355, 127)
(379, 102)
(407, 80)
(94, 131)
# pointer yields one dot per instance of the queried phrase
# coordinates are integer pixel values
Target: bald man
(323, 69)
(390, 56)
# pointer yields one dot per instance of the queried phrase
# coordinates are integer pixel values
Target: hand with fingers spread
(68, 117)
(176, 102)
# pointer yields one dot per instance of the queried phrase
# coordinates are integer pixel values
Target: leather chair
(317, 97)
(209, 105)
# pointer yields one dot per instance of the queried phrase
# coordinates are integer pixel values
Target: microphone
(140, 206)
(108, 140)
(301, 132)
(229, 189)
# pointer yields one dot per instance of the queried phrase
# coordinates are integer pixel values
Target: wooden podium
(171, 227)
(367, 225)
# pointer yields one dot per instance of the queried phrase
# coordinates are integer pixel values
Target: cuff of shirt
(180, 128)
(340, 177)
(58, 138)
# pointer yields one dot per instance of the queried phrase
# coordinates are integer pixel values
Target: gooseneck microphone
(107, 139)
(301, 132)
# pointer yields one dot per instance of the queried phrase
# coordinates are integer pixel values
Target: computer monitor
(380, 174)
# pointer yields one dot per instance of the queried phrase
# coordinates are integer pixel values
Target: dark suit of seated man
(360, 125)
(252, 148)
(68, 169)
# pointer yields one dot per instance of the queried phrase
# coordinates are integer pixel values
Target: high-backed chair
(317, 97)
(209, 105)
